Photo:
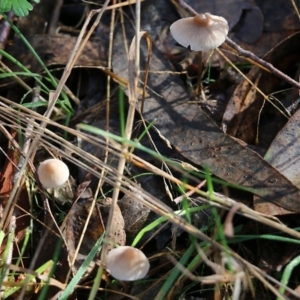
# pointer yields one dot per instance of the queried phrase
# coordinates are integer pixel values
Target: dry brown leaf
(283, 154)
(243, 110)
(75, 222)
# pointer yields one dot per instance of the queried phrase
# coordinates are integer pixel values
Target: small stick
(263, 63)
(189, 193)
(187, 7)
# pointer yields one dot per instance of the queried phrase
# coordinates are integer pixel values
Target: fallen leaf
(135, 215)
(283, 154)
(75, 222)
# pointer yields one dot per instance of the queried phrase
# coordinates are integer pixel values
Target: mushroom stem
(199, 79)
(52, 198)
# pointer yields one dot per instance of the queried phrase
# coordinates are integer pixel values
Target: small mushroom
(53, 173)
(127, 263)
(201, 32)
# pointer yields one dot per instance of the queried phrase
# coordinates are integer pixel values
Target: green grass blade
(161, 220)
(175, 273)
(287, 273)
(44, 291)
(37, 57)
(71, 286)
(96, 284)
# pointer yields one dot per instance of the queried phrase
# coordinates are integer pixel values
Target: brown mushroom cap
(201, 32)
(127, 263)
(53, 173)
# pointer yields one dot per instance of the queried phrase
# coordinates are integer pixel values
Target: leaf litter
(194, 138)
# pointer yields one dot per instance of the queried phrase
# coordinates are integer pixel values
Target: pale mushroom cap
(202, 32)
(127, 263)
(53, 173)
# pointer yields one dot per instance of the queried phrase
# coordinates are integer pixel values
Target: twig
(187, 7)
(189, 193)
(263, 63)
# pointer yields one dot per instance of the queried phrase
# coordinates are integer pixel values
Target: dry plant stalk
(80, 44)
(133, 75)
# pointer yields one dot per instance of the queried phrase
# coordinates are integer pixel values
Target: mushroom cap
(127, 263)
(53, 173)
(201, 32)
